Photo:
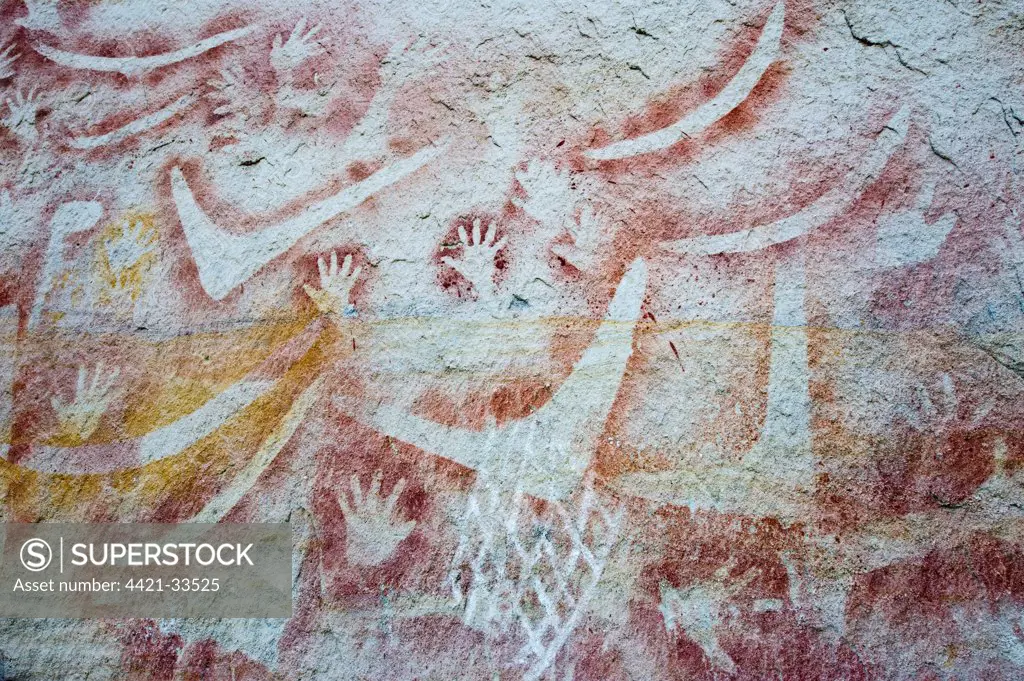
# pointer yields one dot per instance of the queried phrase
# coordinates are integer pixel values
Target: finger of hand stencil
(6, 61)
(135, 229)
(80, 385)
(111, 380)
(343, 502)
(588, 219)
(322, 266)
(462, 235)
(97, 376)
(346, 266)
(926, 402)
(396, 492)
(300, 26)
(374, 493)
(334, 264)
(100, 384)
(100, 407)
(476, 232)
(357, 492)
(949, 394)
(312, 32)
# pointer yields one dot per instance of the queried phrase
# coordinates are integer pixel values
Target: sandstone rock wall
(575, 340)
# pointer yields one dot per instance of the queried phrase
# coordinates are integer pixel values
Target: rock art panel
(573, 340)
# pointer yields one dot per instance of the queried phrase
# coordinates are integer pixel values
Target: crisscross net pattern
(525, 569)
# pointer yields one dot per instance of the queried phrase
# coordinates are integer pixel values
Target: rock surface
(576, 340)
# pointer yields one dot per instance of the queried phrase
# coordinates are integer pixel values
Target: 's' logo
(36, 555)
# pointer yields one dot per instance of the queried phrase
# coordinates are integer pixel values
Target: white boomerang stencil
(134, 66)
(828, 207)
(732, 95)
(774, 472)
(137, 126)
(162, 442)
(226, 260)
(546, 453)
(181, 434)
(195, 426)
(218, 507)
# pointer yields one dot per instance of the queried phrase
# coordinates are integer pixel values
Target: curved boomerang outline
(566, 428)
(172, 438)
(136, 126)
(781, 461)
(225, 260)
(133, 66)
(732, 95)
(828, 207)
(179, 435)
(225, 500)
